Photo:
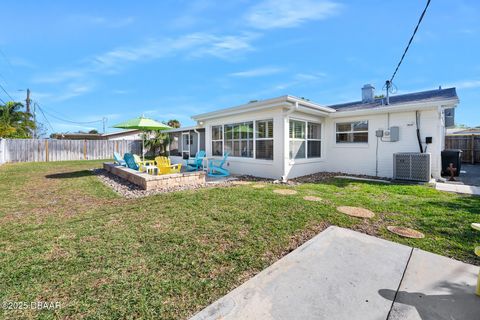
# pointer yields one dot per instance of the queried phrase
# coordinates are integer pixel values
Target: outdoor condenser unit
(412, 166)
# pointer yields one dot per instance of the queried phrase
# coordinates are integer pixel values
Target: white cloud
(258, 72)
(72, 91)
(271, 14)
(466, 84)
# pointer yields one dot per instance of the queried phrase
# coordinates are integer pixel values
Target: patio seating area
(148, 181)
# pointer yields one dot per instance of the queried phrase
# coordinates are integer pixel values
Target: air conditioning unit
(412, 166)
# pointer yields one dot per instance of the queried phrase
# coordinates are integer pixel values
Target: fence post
(2, 150)
(84, 149)
(46, 150)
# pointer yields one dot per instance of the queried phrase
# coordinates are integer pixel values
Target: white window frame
(351, 132)
(218, 140)
(240, 139)
(255, 139)
(306, 140)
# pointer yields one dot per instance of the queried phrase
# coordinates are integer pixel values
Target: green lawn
(66, 237)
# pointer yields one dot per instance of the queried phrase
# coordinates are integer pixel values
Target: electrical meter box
(392, 134)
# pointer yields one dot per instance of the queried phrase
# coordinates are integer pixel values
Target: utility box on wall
(392, 134)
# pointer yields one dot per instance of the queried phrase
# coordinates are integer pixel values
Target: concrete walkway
(458, 188)
(343, 274)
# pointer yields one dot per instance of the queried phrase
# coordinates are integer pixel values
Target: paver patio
(343, 274)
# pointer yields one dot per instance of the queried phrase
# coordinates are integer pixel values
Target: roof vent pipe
(368, 93)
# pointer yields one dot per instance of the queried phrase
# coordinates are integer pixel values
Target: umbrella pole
(143, 147)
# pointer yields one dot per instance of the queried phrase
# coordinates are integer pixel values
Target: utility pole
(104, 120)
(27, 104)
(35, 120)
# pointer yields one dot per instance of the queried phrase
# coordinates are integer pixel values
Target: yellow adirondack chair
(142, 164)
(165, 167)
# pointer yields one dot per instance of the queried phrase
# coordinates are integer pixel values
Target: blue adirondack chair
(196, 163)
(216, 169)
(118, 159)
(130, 161)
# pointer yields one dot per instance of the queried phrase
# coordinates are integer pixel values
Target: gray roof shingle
(420, 97)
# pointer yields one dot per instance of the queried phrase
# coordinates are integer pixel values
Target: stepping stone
(356, 212)
(286, 192)
(258, 186)
(240, 183)
(406, 232)
(312, 198)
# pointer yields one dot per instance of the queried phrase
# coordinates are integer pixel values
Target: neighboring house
(119, 135)
(287, 137)
(463, 132)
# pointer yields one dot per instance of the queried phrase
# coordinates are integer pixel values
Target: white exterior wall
(353, 158)
(301, 167)
(360, 158)
(256, 167)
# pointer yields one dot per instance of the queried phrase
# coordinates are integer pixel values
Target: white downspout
(198, 139)
(286, 160)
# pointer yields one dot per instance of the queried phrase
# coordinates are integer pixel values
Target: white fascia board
(450, 103)
(285, 101)
(254, 106)
(182, 129)
(310, 104)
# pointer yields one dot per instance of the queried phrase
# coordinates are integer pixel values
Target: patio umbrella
(144, 124)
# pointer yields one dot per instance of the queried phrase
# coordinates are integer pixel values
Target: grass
(66, 237)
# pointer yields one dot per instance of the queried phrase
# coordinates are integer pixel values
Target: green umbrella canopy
(142, 123)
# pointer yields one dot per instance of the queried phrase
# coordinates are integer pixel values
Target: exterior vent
(412, 166)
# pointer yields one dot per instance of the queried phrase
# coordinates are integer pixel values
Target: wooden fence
(35, 150)
(469, 144)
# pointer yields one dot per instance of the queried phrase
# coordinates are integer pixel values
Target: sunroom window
(352, 132)
(305, 139)
(217, 140)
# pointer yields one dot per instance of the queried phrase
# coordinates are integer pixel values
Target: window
(217, 140)
(352, 132)
(305, 139)
(238, 139)
(264, 139)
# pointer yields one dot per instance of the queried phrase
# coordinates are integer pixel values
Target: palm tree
(159, 142)
(174, 123)
(15, 123)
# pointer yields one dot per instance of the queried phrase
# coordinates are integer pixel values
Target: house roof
(409, 98)
(463, 131)
(286, 100)
(182, 129)
(446, 97)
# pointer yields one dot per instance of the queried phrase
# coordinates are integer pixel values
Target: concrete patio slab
(457, 188)
(335, 275)
(436, 288)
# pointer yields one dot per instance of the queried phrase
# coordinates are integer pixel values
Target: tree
(93, 131)
(159, 142)
(174, 123)
(15, 123)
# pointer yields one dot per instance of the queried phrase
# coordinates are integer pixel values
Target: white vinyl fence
(36, 150)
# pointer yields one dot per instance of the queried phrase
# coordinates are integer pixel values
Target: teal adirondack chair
(216, 169)
(130, 161)
(118, 159)
(196, 163)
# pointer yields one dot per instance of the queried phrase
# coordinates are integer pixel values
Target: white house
(287, 137)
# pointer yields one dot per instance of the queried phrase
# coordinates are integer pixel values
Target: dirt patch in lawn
(406, 232)
(312, 198)
(285, 192)
(258, 186)
(356, 212)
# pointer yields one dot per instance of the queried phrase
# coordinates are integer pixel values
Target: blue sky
(84, 60)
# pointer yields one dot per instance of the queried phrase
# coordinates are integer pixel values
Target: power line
(2, 101)
(6, 92)
(45, 117)
(69, 121)
(410, 42)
